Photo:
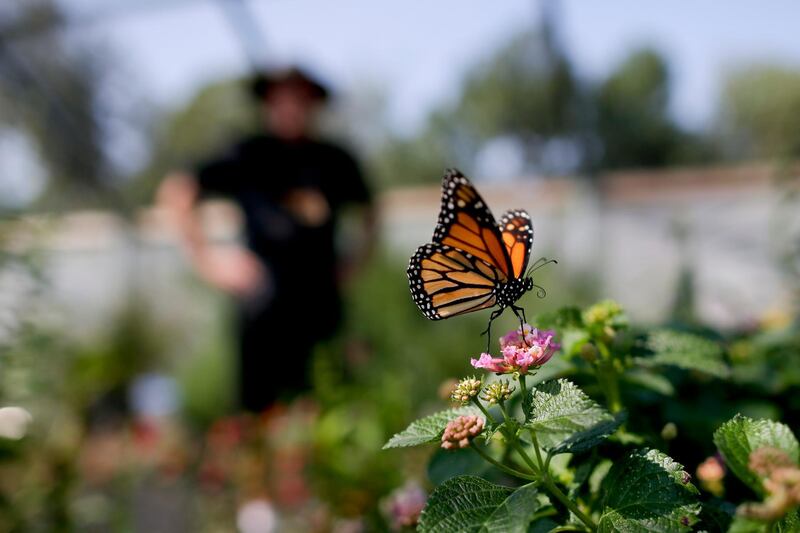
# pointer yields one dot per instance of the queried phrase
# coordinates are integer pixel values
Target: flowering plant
(559, 456)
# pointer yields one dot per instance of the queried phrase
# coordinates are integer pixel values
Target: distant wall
(737, 223)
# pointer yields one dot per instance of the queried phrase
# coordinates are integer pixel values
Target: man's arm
(233, 269)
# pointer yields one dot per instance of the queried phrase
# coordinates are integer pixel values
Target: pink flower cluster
(459, 431)
(406, 504)
(522, 348)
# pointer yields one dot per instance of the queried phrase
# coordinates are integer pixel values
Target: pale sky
(418, 50)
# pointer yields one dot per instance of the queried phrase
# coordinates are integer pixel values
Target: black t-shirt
(291, 194)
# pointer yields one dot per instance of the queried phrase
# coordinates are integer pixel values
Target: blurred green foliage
(758, 113)
(526, 91)
(389, 366)
(634, 126)
(51, 91)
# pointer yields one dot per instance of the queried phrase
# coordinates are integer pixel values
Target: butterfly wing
(466, 223)
(516, 230)
(445, 281)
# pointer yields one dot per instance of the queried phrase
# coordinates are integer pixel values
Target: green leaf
(686, 351)
(599, 474)
(591, 437)
(648, 492)
(428, 429)
(543, 525)
(447, 464)
(788, 524)
(737, 438)
(716, 516)
(559, 320)
(648, 380)
(572, 339)
(472, 504)
(559, 409)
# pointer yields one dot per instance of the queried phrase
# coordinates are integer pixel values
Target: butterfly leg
(520, 313)
(488, 331)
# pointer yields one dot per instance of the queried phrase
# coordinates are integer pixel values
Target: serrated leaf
(648, 492)
(428, 429)
(559, 409)
(686, 351)
(591, 437)
(472, 504)
(737, 438)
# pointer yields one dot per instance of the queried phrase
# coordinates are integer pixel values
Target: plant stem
(504, 411)
(501, 466)
(537, 473)
(523, 387)
(607, 377)
(525, 457)
(489, 417)
(555, 491)
(538, 452)
(552, 488)
(550, 511)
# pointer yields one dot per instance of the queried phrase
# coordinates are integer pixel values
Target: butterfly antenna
(540, 292)
(542, 261)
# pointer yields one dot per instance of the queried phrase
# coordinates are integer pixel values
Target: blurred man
(292, 190)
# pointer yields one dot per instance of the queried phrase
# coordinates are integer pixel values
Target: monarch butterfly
(472, 262)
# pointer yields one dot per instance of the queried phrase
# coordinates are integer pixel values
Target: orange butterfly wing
(466, 223)
(516, 230)
(446, 282)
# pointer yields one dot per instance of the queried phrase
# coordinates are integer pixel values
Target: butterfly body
(508, 294)
(473, 262)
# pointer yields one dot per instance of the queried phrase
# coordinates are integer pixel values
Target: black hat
(263, 82)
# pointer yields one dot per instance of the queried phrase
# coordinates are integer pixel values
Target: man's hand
(233, 269)
(178, 194)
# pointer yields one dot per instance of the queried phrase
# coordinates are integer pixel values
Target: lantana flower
(406, 504)
(523, 348)
(459, 431)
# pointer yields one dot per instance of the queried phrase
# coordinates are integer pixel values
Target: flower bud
(589, 352)
(710, 473)
(764, 460)
(460, 430)
(497, 392)
(669, 431)
(465, 390)
(605, 319)
(406, 504)
(711, 470)
(781, 481)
